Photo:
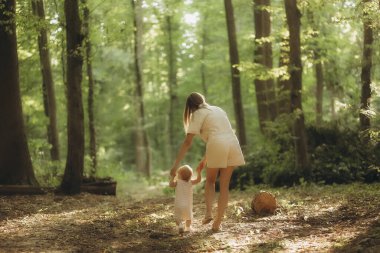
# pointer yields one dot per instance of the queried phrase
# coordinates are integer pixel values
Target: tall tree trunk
(332, 105)
(72, 178)
(203, 56)
(366, 71)
(172, 82)
(318, 69)
(319, 87)
(47, 81)
(15, 162)
(284, 85)
(142, 145)
(293, 17)
(265, 92)
(235, 73)
(90, 99)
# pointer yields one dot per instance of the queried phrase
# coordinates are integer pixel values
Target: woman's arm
(199, 171)
(181, 153)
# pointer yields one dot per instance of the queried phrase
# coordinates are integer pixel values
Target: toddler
(183, 204)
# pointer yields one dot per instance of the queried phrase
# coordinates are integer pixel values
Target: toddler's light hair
(186, 172)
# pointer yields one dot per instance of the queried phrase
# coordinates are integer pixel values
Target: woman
(223, 152)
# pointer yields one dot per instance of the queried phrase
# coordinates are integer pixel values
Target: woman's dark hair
(193, 102)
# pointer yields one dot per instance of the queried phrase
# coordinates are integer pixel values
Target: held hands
(201, 166)
(173, 172)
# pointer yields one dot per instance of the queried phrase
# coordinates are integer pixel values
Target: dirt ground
(309, 219)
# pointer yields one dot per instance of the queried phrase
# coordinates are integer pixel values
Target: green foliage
(335, 31)
(342, 156)
(338, 155)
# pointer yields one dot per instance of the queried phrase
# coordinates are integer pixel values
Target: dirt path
(312, 219)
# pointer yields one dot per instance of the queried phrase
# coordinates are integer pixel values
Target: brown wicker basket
(264, 203)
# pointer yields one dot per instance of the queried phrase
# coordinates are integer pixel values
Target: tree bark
(284, 85)
(235, 73)
(142, 145)
(91, 84)
(47, 81)
(172, 82)
(293, 17)
(318, 69)
(365, 77)
(265, 90)
(319, 87)
(15, 162)
(72, 178)
(203, 56)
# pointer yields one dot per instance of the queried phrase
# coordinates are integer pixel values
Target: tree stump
(264, 203)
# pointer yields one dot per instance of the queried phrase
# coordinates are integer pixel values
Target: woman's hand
(201, 165)
(173, 172)
(181, 153)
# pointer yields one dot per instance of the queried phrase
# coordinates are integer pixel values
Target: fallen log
(100, 187)
(97, 186)
(21, 190)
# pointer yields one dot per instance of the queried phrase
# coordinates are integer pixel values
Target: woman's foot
(216, 226)
(207, 220)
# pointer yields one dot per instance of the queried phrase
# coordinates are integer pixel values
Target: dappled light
(308, 219)
(190, 126)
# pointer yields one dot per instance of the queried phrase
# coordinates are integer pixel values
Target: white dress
(222, 148)
(183, 203)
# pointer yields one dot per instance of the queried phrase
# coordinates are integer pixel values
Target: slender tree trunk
(284, 85)
(172, 82)
(62, 44)
(235, 73)
(90, 99)
(15, 162)
(318, 69)
(72, 178)
(142, 146)
(319, 87)
(332, 105)
(47, 81)
(293, 17)
(203, 56)
(265, 90)
(366, 71)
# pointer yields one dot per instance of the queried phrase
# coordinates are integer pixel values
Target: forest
(94, 90)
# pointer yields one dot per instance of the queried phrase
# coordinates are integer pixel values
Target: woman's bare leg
(224, 182)
(211, 174)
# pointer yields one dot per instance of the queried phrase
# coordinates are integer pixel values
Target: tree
(142, 145)
(235, 73)
(172, 79)
(264, 85)
(90, 99)
(15, 162)
(72, 178)
(293, 16)
(47, 80)
(365, 76)
(283, 82)
(317, 59)
(203, 54)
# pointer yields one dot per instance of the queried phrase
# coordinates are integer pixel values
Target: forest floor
(311, 218)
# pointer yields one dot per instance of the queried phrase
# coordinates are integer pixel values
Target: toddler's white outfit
(183, 203)
(222, 148)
